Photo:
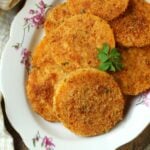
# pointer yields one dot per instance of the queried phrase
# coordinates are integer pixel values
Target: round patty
(40, 89)
(56, 16)
(89, 102)
(132, 29)
(135, 76)
(73, 44)
(106, 9)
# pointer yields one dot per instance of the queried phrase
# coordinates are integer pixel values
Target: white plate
(29, 125)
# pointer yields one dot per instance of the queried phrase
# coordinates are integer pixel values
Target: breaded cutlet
(132, 29)
(40, 88)
(106, 9)
(134, 78)
(89, 102)
(74, 43)
(56, 16)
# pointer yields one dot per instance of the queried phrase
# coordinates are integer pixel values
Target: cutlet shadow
(128, 103)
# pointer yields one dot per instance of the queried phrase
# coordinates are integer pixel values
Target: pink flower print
(31, 11)
(36, 139)
(36, 18)
(42, 4)
(25, 58)
(47, 142)
(146, 99)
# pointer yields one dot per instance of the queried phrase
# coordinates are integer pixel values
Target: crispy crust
(143, 6)
(40, 89)
(38, 55)
(106, 9)
(42, 60)
(42, 81)
(56, 16)
(76, 47)
(89, 102)
(135, 77)
(132, 29)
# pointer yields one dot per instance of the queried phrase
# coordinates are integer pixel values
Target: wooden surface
(142, 142)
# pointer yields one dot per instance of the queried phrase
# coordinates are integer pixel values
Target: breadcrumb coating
(56, 16)
(89, 102)
(106, 9)
(74, 43)
(135, 76)
(132, 29)
(40, 87)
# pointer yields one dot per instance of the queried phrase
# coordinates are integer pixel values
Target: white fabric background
(8, 4)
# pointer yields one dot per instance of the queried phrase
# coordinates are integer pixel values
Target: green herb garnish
(110, 59)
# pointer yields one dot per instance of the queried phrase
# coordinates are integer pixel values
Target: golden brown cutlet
(106, 9)
(132, 29)
(40, 89)
(56, 16)
(89, 102)
(73, 44)
(135, 76)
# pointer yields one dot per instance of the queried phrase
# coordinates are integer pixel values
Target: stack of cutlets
(65, 83)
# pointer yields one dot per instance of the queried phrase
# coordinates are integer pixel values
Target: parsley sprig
(110, 59)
